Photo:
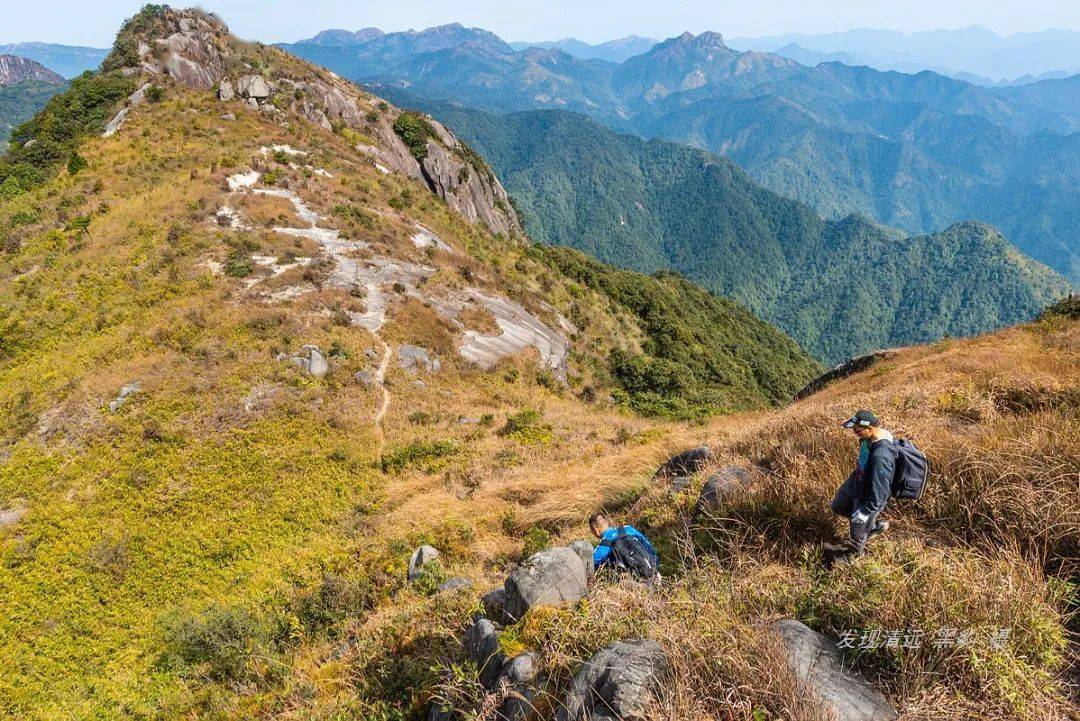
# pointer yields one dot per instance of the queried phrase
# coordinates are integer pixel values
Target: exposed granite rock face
(618, 682)
(16, 69)
(817, 661)
(195, 49)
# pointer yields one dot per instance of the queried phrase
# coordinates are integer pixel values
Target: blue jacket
(602, 554)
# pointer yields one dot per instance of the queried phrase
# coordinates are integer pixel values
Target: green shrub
(527, 427)
(416, 453)
(76, 163)
(155, 93)
(331, 602)
(536, 539)
(223, 644)
(415, 131)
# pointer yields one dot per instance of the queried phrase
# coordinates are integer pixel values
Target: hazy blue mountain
(917, 152)
(615, 51)
(67, 60)
(974, 51)
(653, 205)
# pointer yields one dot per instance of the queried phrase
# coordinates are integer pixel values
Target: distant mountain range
(67, 60)
(615, 51)
(917, 152)
(837, 287)
(972, 53)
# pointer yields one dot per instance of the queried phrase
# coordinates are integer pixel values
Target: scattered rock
(482, 646)
(494, 602)
(420, 558)
(228, 116)
(454, 584)
(686, 463)
(11, 516)
(553, 577)
(618, 682)
(124, 396)
(253, 87)
(414, 359)
(517, 680)
(817, 661)
(680, 483)
(727, 482)
(311, 359)
(225, 90)
(365, 378)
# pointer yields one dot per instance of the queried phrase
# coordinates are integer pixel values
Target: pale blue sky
(94, 22)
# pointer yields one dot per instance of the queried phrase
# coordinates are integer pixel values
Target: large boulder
(618, 682)
(727, 482)
(421, 557)
(494, 604)
(553, 577)
(817, 662)
(253, 87)
(686, 463)
(517, 681)
(225, 90)
(585, 550)
(482, 646)
(414, 359)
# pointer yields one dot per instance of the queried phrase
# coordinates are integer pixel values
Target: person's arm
(602, 553)
(878, 486)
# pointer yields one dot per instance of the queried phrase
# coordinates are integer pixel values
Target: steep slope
(251, 344)
(918, 152)
(15, 69)
(839, 288)
(18, 103)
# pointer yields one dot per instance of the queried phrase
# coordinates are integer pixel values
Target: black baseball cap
(862, 418)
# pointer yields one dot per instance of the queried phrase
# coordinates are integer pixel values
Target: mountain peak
(16, 69)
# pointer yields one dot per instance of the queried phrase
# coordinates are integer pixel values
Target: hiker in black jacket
(863, 496)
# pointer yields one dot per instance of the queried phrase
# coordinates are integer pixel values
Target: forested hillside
(917, 152)
(838, 287)
(19, 102)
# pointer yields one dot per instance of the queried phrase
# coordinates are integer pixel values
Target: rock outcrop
(684, 464)
(195, 49)
(845, 369)
(124, 396)
(415, 359)
(553, 577)
(618, 682)
(311, 359)
(421, 557)
(817, 662)
(16, 69)
(725, 483)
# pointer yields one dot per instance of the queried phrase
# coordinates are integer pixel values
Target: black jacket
(873, 489)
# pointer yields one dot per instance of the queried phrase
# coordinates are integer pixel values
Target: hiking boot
(879, 528)
(836, 547)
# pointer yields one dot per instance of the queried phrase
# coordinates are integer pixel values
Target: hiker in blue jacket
(623, 547)
(863, 496)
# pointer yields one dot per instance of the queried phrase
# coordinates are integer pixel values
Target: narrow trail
(384, 405)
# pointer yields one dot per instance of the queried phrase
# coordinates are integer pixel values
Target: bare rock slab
(816, 661)
(618, 682)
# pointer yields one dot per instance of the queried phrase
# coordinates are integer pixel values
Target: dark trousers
(843, 504)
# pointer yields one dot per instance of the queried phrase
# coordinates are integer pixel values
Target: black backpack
(909, 478)
(632, 555)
